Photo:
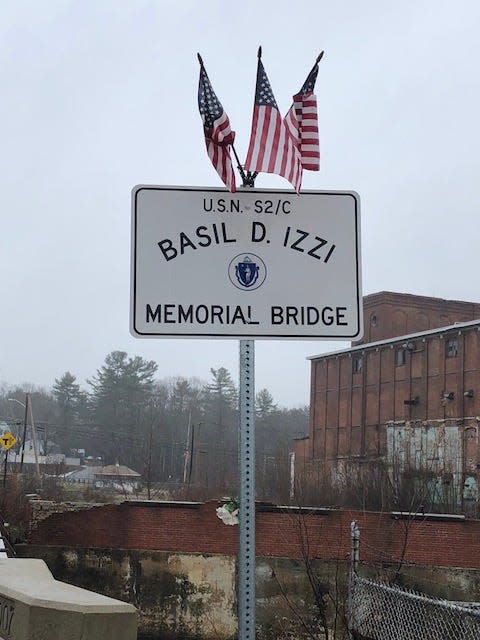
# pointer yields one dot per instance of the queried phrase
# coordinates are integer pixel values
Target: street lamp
(27, 398)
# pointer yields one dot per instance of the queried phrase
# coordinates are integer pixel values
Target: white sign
(252, 264)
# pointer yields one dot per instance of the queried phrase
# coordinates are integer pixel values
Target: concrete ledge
(35, 606)
(273, 508)
(431, 517)
(165, 504)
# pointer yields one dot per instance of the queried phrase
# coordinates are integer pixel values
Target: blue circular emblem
(247, 271)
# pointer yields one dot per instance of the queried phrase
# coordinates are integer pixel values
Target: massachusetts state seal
(247, 271)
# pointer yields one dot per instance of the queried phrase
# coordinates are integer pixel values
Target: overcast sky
(100, 95)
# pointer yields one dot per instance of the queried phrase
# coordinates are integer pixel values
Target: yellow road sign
(7, 440)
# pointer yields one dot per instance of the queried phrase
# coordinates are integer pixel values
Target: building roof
(85, 473)
(115, 470)
(411, 299)
(458, 326)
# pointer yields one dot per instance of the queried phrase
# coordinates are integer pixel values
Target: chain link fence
(378, 611)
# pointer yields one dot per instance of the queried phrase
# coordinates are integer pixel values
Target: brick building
(388, 314)
(408, 393)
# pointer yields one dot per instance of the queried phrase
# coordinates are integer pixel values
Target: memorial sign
(254, 264)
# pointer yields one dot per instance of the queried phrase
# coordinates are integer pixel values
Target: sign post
(7, 441)
(253, 264)
(246, 470)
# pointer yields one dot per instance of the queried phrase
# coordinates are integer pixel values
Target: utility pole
(24, 437)
(5, 468)
(35, 446)
(186, 461)
(149, 468)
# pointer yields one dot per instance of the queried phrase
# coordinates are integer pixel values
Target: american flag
(216, 127)
(272, 149)
(302, 122)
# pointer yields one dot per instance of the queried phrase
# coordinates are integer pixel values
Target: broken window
(452, 347)
(357, 365)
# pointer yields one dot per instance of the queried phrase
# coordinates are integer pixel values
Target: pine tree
(67, 394)
(185, 396)
(122, 388)
(220, 397)
(264, 405)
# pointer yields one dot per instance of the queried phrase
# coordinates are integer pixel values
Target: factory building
(407, 395)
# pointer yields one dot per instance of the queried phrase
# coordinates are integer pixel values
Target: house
(118, 477)
(407, 394)
(49, 462)
(84, 475)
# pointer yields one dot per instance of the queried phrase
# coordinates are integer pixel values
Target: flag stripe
(277, 136)
(265, 139)
(302, 123)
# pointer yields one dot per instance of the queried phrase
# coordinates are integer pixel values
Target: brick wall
(388, 314)
(195, 528)
(354, 394)
(42, 509)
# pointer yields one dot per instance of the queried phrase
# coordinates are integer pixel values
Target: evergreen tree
(220, 397)
(264, 405)
(185, 396)
(161, 398)
(217, 435)
(67, 394)
(121, 389)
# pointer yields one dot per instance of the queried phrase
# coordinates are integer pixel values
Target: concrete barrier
(35, 606)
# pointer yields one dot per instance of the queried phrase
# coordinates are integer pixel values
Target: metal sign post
(246, 465)
(7, 441)
(258, 263)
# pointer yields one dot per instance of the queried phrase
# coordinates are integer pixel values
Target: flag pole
(319, 57)
(246, 177)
